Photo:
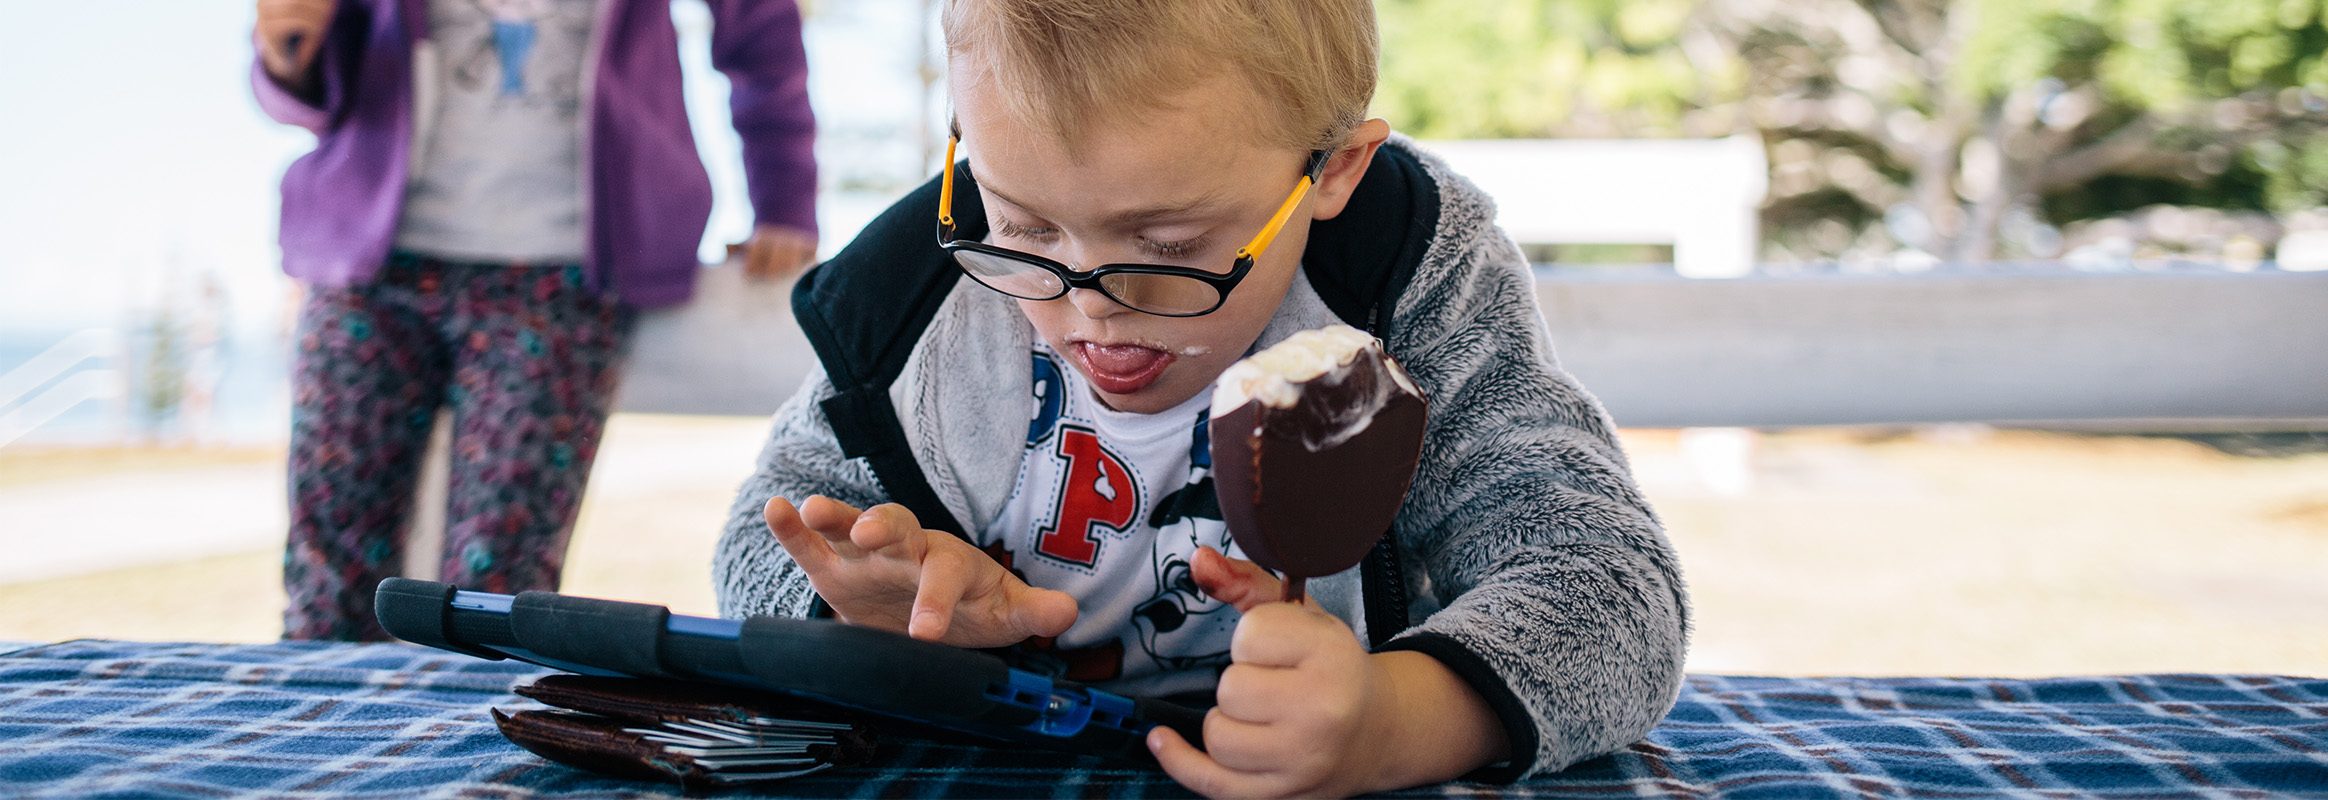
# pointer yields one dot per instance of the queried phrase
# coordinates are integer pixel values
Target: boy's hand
(880, 568)
(1305, 710)
(1296, 713)
(1234, 581)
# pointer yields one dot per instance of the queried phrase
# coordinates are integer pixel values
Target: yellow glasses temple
(1269, 233)
(946, 186)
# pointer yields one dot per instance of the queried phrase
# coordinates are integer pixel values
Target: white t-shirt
(499, 175)
(1110, 507)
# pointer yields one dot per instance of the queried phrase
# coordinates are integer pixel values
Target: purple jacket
(648, 196)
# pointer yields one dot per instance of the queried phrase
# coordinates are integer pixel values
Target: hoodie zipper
(1382, 585)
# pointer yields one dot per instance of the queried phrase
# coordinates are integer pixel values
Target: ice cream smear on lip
(1323, 359)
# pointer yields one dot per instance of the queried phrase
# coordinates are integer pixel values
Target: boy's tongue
(1123, 368)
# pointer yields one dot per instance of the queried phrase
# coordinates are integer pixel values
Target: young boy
(1055, 406)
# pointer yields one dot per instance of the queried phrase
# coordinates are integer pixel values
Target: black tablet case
(853, 668)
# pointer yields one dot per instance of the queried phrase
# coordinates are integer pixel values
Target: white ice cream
(1274, 376)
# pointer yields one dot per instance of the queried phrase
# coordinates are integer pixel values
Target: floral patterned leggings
(525, 357)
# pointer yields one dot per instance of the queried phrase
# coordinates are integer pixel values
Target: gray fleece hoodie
(1539, 574)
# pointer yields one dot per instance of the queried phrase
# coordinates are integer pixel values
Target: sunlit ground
(1957, 552)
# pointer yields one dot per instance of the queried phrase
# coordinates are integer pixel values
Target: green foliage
(2231, 95)
(2151, 54)
(2295, 173)
(2239, 188)
(1531, 68)
(2170, 59)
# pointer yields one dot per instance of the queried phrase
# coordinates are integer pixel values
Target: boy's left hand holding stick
(1304, 710)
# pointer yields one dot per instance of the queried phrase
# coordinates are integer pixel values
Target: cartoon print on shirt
(1178, 614)
(513, 37)
(1178, 617)
(1050, 392)
(510, 36)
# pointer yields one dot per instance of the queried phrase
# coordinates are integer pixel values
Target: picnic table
(129, 719)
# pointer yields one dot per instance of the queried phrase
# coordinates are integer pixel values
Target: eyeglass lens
(1153, 293)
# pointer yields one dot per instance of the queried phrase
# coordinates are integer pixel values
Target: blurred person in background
(496, 187)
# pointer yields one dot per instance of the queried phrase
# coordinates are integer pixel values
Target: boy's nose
(1093, 304)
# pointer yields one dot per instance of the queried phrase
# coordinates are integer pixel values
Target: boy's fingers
(1243, 746)
(1234, 581)
(1191, 767)
(806, 547)
(1258, 694)
(943, 579)
(1041, 612)
(884, 525)
(828, 517)
(1281, 635)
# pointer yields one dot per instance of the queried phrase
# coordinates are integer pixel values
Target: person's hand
(289, 34)
(1235, 581)
(880, 568)
(777, 251)
(1296, 711)
(1304, 710)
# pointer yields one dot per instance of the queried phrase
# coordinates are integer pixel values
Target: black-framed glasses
(1165, 291)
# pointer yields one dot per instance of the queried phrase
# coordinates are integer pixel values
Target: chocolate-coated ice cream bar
(1314, 442)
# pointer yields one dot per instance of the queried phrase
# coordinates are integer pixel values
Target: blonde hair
(1064, 64)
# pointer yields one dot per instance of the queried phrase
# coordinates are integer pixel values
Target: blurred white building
(1702, 196)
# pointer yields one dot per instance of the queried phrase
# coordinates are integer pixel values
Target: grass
(1965, 552)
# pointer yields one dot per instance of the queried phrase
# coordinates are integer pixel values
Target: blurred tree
(162, 380)
(1961, 123)
(1534, 68)
(1966, 129)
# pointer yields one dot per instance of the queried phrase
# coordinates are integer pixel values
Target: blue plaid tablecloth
(121, 719)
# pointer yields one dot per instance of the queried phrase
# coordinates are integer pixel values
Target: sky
(133, 142)
(134, 158)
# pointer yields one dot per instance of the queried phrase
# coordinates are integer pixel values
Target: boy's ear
(1346, 167)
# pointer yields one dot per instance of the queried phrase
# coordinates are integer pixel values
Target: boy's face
(1185, 184)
